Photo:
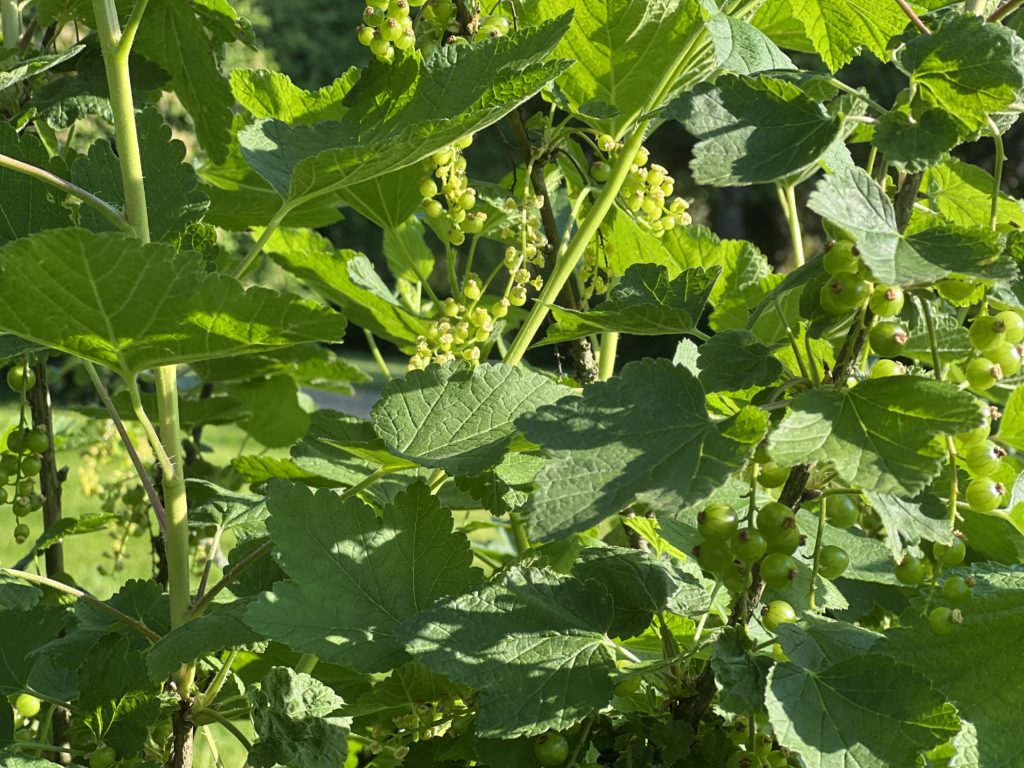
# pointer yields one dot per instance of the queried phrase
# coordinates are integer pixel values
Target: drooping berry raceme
(446, 177)
(387, 27)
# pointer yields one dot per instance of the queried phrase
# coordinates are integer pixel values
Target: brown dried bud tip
(789, 522)
(970, 581)
(900, 336)
(999, 453)
(891, 295)
(956, 616)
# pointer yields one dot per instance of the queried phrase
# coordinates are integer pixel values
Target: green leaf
(387, 200)
(402, 690)
(25, 68)
(624, 52)
(753, 130)
(964, 666)
(172, 195)
(112, 300)
(644, 436)
(879, 435)
(21, 633)
(853, 201)
(640, 585)
(744, 271)
(504, 487)
(276, 419)
(533, 643)
(28, 205)
(865, 709)
(839, 29)
(337, 276)
(311, 365)
(910, 520)
(1011, 426)
(743, 48)
(334, 438)
(962, 194)
(244, 513)
(218, 629)
(172, 36)
(966, 68)
(273, 94)
(741, 674)
(732, 360)
(118, 704)
(645, 302)
(400, 115)
(407, 253)
(820, 643)
(356, 578)
(916, 142)
(291, 714)
(459, 418)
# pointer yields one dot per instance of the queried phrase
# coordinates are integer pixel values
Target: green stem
(519, 537)
(977, 7)
(261, 241)
(567, 261)
(116, 52)
(792, 342)
(841, 86)
(377, 356)
(36, 746)
(231, 727)
(609, 346)
(788, 196)
(997, 173)
(154, 438)
(84, 597)
(306, 664)
(582, 740)
(954, 485)
(105, 209)
(817, 553)
(214, 688)
(11, 20)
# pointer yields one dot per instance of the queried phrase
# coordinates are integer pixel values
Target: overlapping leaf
(172, 196)
(112, 300)
(221, 628)
(643, 436)
(852, 200)
(743, 48)
(878, 436)
(646, 303)
(974, 665)
(621, 53)
(399, 115)
(457, 418)
(356, 578)
(533, 643)
(753, 130)
(28, 205)
(839, 29)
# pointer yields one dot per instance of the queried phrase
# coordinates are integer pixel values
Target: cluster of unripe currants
(462, 332)
(446, 177)
(22, 461)
(996, 340)
(764, 754)
(915, 571)
(647, 191)
(387, 26)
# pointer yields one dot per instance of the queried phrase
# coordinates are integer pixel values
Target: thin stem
(84, 597)
(609, 346)
(214, 548)
(977, 7)
(1005, 10)
(913, 17)
(104, 208)
(788, 196)
(817, 554)
(154, 439)
(582, 740)
(519, 537)
(840, 85)
(10, 18)
(34, 746)
(214, 688)
(377, 356)
(140, 470)
(954, 485)
(792, 342)
(306, 664)
(567, 260)
(131, 27)
(231, 727)
(261, 241)
(997, 172)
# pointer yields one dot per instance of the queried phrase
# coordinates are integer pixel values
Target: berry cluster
(387, 26)
(647, 191)
(997, 344)
(446, 176)
(984, 460)
(756, 732)
(22, 461)
(463, 332)
(523, 228)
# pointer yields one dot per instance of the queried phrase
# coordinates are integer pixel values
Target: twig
(1005, 10)
(83, 596)
(914, 17)
(104, 208)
